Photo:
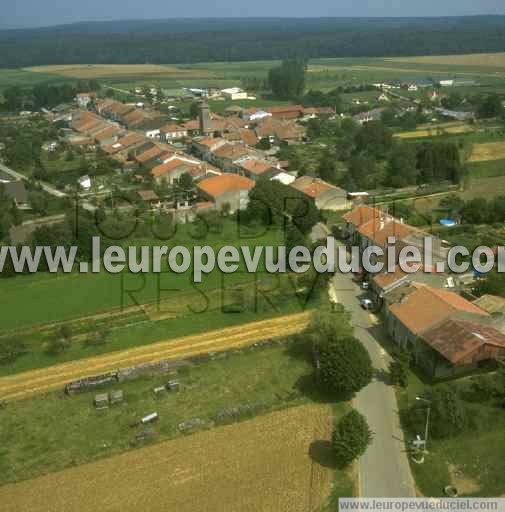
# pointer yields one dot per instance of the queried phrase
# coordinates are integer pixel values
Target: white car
(366, 304)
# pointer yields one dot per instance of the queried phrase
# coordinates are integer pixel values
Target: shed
(116, 397)
(101, 401)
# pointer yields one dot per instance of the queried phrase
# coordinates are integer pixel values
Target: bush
(10, 350)
(56, 346)
(97, 338)
(351, 438)
(399, 368)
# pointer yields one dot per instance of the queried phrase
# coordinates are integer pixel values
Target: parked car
(366, 304)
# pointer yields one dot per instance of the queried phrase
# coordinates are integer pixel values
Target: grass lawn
(54, 431)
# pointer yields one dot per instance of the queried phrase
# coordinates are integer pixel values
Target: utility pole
(426, 430)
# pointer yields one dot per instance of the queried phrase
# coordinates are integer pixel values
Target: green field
(37, 299)
(323, 74)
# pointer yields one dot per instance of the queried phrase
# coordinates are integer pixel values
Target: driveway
(384, 469)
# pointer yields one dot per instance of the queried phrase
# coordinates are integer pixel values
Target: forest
(207, 40)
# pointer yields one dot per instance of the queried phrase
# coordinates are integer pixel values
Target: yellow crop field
(488, 151)
(435, 130)
(476, 59)
(267, 464)
(89, 71)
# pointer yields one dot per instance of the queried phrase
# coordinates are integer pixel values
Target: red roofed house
(413, 310)
(227, 188)
(325, 195)
(286, 112)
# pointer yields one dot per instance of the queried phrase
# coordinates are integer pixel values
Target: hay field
(89, 71)
(265, 464)
(436, 130)
(476, 59)
(488, 151)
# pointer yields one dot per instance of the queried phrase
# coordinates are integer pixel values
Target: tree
(264, 144)
(287, 81)
(293, 238)
(374, 138)
(448, 415)
(399, 368)
(344, 363)
(351, 437)
(194, 110)
(490, 106)
(402, 165)
(326, 169)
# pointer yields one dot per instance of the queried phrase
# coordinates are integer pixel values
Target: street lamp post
(421, 399)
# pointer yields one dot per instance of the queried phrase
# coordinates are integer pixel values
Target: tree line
(185, 41)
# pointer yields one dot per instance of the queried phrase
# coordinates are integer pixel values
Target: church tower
(204, 119)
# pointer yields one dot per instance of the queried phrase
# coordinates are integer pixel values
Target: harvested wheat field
(55, 377)
(487, 151)
(436, 130)
(475, 59)
(87, 71)
(265, 464)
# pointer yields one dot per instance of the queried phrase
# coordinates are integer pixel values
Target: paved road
(45, 186)
(384, 468)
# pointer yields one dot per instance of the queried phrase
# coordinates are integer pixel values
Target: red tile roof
(227, 182)
(378, 231)
(256, 167)
(427, 306)
(361, 214)
(312, 187)
(463, 342)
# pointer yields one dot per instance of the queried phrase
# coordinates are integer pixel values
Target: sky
(33, 13)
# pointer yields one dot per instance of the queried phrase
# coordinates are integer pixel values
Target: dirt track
(55, 377)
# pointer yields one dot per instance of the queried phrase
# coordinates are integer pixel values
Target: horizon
(33, 15)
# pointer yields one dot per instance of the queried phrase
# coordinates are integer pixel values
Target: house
(85, 98)
(233, 110)
(230, 189)
(253, 168)
(325, 195)
(414, 309)
(173, 168)
(283, 177)
(458, 346)
(383, 97)
(173, 131)
(354, 219)
(366, 117)
(16, 191)
(129, 141)
(226, 155)
(205, 146)
(151, 127)
(385, 282)
(254, 114)
(149, 155)
(84, 182)
(234, 93)
(243, 135)
(286, 112)
(271, 128)
(150, 197)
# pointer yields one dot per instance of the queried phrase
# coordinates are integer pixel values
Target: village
(116, 363)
